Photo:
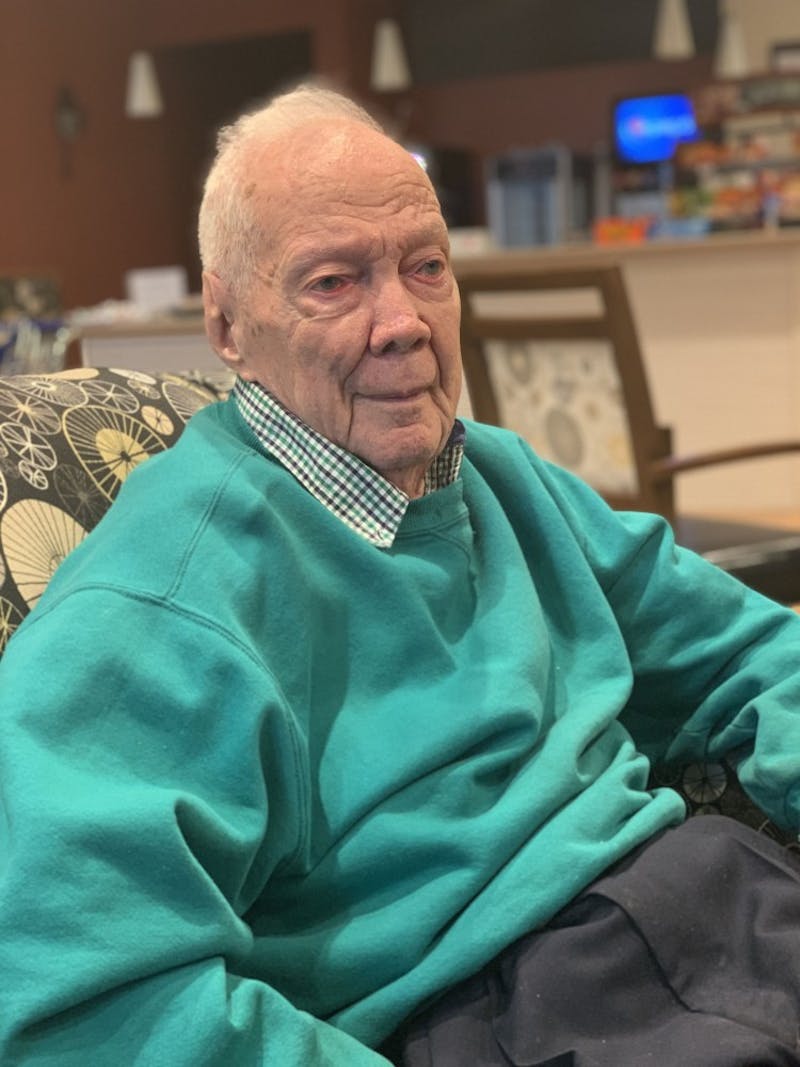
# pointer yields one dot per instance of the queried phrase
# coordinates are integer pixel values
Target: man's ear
(219, 314)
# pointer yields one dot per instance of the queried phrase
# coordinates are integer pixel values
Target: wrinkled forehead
(343, 146)
(341, 168)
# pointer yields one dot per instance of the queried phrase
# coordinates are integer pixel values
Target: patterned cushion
(67, 442)
(565, 399)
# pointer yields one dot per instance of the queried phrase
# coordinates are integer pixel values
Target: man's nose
(396, 323)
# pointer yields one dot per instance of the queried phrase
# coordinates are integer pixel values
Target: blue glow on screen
(648, 129)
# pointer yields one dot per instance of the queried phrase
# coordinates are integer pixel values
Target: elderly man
(349, 764)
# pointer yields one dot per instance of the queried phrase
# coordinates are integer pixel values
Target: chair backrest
(553, 354)
(67, 442)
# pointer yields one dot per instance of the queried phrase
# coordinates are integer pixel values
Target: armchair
(574, 384)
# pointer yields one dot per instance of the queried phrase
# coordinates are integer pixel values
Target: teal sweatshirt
(266, 788)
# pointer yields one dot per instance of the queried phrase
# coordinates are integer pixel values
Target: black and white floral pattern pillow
(67, 443)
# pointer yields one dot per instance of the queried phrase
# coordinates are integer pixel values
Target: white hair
(230, 230)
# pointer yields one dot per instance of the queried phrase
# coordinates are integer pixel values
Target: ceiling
(452, 39)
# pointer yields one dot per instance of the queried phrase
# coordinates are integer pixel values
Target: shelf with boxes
(724, 157)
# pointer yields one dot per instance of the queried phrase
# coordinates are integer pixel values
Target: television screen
(648, 129)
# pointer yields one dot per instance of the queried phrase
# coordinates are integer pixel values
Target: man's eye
(329, 284)
(431, 268)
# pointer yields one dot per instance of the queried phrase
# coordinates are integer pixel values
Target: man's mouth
(402, 396)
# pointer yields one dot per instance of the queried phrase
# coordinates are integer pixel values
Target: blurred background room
(658, 139)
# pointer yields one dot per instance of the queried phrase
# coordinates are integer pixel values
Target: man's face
(353, 320)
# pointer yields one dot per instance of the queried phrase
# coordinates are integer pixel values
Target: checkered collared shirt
(350, 489)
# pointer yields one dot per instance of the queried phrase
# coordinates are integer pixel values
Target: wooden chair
(573, 383)
(521, 365)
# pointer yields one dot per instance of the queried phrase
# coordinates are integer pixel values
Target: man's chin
(403, 456)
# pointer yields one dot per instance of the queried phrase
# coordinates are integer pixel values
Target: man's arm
(716, 666)
(146, 799)
(722, 663)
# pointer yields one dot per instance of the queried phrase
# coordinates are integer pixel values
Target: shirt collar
(349, 488)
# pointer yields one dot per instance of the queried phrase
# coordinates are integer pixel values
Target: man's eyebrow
(435, 234)
(356, 246)
(344, 248)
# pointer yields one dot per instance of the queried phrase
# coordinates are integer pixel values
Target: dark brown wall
(569, 104)
(85, 213)
(124, 195)
(117, 199)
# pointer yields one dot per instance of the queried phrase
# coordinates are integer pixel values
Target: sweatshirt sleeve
(134, 835)
(716, 666)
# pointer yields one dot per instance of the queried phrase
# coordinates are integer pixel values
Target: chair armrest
(664, 469)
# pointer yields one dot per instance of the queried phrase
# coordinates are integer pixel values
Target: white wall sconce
(390, 70)
(730, 58)
(143, 94)
(672, 37)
